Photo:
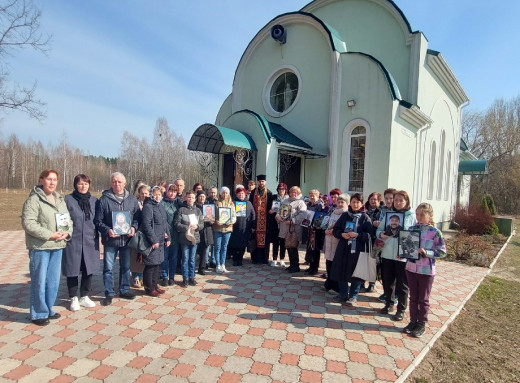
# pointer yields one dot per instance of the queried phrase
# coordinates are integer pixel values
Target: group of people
(216, 226)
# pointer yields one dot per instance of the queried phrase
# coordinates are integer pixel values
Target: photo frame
(240, 208)
(63, 221)
(393, 223)
(121, 224)
(318, 219)
(208, 212)
(224, 215)
(275, 206)
(349, 227)
(325, 222)
(309, 215)
(193, 219)
(285, 212)
(409, 244)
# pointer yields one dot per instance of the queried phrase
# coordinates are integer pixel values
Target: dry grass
(11, 202)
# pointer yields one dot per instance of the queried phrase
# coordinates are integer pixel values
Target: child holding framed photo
(420, 272)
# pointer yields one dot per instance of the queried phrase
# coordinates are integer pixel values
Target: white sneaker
(282, 264)
(74, 304)
(219, 269)
(86, 302)
(272, 263)
(224, 270)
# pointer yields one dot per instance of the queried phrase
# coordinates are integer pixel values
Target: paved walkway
(254, 324)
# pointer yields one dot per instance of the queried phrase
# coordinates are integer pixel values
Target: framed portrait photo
(121, 222)
(285, 212)
(318, 219)
(208, 212)
(309, 215)
(349, 227)
(240, 208)
(409, 243)
(63, 221)
(224, 215)
(393, 223)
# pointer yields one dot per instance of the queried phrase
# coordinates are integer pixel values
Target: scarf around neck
(83, 202)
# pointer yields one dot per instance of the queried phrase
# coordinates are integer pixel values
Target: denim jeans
(169, 265)
(45, 269)
(124, 269)
(345, 292)
(188, 261)
(220, 243)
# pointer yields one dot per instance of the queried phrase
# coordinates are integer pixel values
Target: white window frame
(345, 157)
(266, 99)
(431, 173)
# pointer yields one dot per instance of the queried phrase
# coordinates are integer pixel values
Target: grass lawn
(483, 342)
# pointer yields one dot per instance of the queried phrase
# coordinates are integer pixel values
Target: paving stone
(237, 364)
(81, 350)
(81, 367)
(153, 349)
(119, 358)
(286, 373)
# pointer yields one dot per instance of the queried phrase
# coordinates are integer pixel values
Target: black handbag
(140, 244)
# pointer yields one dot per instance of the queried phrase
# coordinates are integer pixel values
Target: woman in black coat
(155, 227)
(242, 228)
(354, 231)
(206, 234)
(82, 252)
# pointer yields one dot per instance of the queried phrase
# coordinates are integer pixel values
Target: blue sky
(121, 65)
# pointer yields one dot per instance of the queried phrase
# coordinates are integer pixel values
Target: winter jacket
(84, 242)
(330, 243)
(391, 249)
(243, 227)
(103, 218)
(154, 226)
(271, 218)
(228, 228)
(345, 258)
(431, 241)
(39, 220)
(206, 234)
(318, 236)
(182, 223)
(298, 209)
(171, 206)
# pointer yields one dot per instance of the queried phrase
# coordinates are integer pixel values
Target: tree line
(494, 135)
(163, 157)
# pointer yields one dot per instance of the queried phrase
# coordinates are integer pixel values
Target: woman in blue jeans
(188, 222)
(171, 204)
(222, 228)
(47, 226)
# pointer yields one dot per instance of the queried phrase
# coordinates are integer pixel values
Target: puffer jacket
(391, 247)
(103, 218)
(298, 208)
(171, 206)
(182, 222)
(433, 243)
(39, 220)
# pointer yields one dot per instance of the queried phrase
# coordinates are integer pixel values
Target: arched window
(448, 177)
(433, 161)
(357, 159)
(441, 179)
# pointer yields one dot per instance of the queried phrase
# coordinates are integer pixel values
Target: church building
(342, 93)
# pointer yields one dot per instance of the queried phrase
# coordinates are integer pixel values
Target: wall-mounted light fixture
(351, 103)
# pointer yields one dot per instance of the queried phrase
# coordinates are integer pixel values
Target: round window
(283, 92)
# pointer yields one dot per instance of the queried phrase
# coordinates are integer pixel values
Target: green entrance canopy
(473, 167)
(211, 138)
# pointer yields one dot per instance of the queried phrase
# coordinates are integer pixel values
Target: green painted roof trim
(473, 167)
(282, 135)
(211, 138)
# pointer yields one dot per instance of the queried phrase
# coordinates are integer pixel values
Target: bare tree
(20, 29)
